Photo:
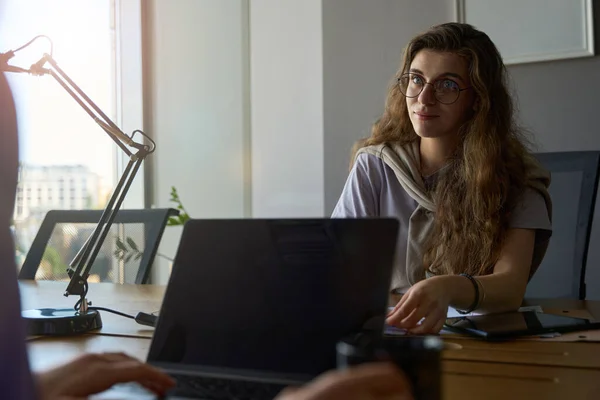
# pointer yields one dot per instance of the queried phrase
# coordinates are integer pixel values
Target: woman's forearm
(502, 293)
(497, 292)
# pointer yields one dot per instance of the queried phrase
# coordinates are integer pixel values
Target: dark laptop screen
(273, 295)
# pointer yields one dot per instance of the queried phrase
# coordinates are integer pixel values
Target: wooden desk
(460, 380)
(472, 369)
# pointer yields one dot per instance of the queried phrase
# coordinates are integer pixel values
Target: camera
(419, 357)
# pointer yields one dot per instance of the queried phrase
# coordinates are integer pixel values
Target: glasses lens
(446, 91)
(411, 85)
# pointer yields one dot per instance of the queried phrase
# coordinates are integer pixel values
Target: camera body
(419, 357)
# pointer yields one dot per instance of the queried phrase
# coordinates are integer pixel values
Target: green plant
(183, 214)
(125, 253)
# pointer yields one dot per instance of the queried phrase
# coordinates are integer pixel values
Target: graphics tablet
(515, 324)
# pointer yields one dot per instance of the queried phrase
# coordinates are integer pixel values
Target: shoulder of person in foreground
(15, 377)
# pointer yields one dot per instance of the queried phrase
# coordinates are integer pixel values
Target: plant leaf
(120, 244)
(183, 217)
(132, 244)
(174, 195)
(173, 221)
(128, 257)
(139, 255)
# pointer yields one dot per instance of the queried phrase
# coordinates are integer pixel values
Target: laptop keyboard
(224, 389)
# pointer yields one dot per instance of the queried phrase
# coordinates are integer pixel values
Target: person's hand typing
(371, 381)
(428, 299)
(95, 373)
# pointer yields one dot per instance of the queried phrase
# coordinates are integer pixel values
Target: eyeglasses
(446, 91)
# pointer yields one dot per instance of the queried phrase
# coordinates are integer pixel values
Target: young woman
(447, 159)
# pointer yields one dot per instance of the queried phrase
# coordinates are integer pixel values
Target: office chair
(126, 255)
(573, 192)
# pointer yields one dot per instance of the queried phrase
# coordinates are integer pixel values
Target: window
(66, 160)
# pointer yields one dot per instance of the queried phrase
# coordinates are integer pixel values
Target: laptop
(255, 305)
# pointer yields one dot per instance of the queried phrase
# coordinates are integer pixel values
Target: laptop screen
(273, 295)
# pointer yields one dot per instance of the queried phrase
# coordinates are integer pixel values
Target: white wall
(196, 82)
(197, 92)
(286, 67)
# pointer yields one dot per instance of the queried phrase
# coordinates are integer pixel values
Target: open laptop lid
(273, 295)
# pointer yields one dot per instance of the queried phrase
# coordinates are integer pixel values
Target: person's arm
(523, 249)
(505, 287)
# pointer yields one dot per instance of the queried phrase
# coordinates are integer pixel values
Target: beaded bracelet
(476, 301)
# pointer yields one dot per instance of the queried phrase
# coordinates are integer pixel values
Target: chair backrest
(126, 255)
(573, 192)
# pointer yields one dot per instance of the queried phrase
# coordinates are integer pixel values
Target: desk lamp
(81, 318)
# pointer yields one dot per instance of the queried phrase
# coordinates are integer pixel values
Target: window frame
(126, 20)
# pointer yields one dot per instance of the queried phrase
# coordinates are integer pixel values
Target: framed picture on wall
(533, 30)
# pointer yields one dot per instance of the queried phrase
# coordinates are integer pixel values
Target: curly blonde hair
(487, 172)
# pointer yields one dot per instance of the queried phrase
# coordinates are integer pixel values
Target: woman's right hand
(371, 381)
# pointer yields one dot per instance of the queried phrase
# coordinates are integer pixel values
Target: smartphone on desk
(504, 326)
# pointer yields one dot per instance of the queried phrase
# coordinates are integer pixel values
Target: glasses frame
(460, 90)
